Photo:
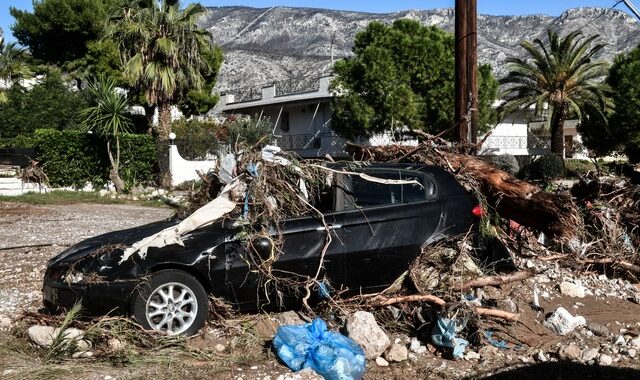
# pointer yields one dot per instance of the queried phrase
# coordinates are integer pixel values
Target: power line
(631, 7)
(604, 11)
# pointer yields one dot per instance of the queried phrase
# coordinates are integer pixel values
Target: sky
(493, 7)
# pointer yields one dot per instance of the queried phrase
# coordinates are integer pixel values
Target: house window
(284, 121)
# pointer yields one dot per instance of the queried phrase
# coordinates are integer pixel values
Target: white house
(301, 114)
(523, 133)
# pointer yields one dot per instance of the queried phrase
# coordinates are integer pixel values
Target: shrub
(546, 168)
(578, 168)
(72, 158)
(200, 139)
(17, 142)
(196, 139)
(138, 160)
(506, 162)
(248, 130)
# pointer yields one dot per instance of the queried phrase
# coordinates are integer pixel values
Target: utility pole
(461, 74)
(472, 68)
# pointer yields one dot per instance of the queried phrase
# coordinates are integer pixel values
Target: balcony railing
(506, 142)
(297, 85)
(303, 141)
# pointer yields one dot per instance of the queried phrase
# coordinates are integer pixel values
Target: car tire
(172, 301)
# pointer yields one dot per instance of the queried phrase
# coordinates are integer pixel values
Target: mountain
(264, 45)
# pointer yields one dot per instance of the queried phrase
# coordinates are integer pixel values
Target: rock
(487, 352)
(572, 290)
(590, 354)
(416, 346)
(472, 355)
(636, 298)
(288, 318)
(83, 345)
(632, 352)
(507, 305)
(605, 360)
(41, 335)
(598, 329)
(82, 354)
(619, 341)
(381, 362)
(541, 357)
(115, 345)
(5, 323)
(306, 374)
(364, 330)
(397, 353)
(635, 342)
(562, 322)
(72, 333)
(571, 352)
(220, 347)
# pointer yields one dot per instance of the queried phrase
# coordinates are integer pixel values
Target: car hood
(122, 238)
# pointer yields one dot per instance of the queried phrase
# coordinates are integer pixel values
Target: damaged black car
(376, 228)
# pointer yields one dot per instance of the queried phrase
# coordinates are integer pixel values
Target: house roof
(269, 97)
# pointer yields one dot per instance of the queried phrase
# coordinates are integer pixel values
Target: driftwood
(497, 280)
(554, 214)
(610, 260)
(384, 301)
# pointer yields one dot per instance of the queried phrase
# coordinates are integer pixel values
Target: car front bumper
(96, 298)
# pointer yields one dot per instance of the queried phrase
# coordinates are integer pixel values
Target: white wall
(183, 170)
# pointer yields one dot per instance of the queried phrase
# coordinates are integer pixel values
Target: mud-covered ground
(30, 235)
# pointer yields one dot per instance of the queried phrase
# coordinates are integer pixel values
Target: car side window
(364, 193)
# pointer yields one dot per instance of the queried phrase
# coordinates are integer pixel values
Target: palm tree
(109, 118)
(163, 51)
(13, 65)
(560, 75)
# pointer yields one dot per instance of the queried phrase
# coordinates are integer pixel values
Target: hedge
(73, 158)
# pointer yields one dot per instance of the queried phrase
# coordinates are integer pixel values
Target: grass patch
(62, 197)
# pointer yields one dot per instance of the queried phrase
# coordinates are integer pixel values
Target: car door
(303, 243)
(386, 225)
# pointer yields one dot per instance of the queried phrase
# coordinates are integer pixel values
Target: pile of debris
(554, 251)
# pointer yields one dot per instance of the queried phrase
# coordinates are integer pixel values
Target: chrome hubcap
(172, 308)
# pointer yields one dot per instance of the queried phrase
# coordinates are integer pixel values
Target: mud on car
(377, 230)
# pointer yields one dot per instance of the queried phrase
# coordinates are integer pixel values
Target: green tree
(560, 74)
(13, 65)
(58, 32)
(164, 53)
(401, 75)
(624, 123)
(48, 104)
(109, 118)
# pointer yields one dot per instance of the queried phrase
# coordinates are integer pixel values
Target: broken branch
(624, 264)
(382, 301)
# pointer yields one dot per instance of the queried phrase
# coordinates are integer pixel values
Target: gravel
(43, 232)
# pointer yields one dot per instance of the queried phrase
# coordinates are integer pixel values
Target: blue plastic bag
(444, 335)
(330, 354)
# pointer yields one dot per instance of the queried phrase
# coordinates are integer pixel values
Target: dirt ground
(30, 235)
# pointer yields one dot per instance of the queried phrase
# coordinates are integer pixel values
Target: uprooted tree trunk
(554, 214)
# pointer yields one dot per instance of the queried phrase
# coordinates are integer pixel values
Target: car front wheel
(172, 301)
